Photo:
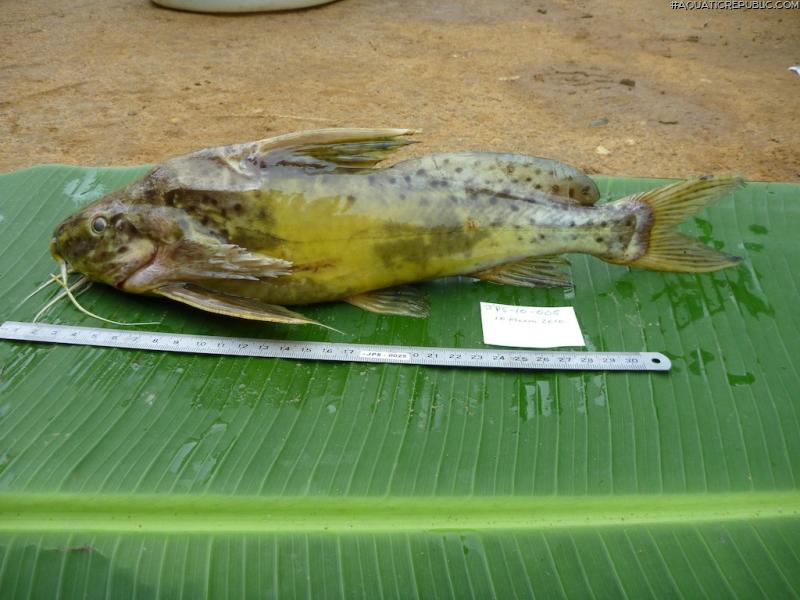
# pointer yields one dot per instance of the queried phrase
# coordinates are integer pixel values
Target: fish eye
(99, 225)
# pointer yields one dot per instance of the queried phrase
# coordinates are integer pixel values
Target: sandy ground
(621, 87)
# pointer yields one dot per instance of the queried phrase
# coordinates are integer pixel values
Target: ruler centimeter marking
(496, 358)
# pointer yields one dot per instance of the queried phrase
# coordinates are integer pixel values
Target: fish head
(109, 240)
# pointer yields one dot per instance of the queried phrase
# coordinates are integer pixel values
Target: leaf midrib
(228, 514)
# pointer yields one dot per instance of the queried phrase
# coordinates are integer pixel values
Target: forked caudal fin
(668, 250)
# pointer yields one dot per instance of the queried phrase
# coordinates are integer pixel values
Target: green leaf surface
(182, 476)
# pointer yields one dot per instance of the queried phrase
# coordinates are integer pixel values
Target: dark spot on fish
(407, 178)
(314, 267)
(586, 189)
(630, 221)
(571, 193)
(570, 178)
(529, 179)
(405, 244)
(459, 169)
(572, 224)
(537, 186)
(537, 171)
(555, 189)
(446, 161)
(204, 221)
(392, 180)
(223, 213)
(532, 221)
(402, 196)
(599, 239)
(237, 207)
(542, 236)
(122, 250)
(496, 223)
(519, 238)
(515, 181)
(514, 207)
(603, 223)
(351, 198)
(574, 236)
(421, 172)
(444, 183)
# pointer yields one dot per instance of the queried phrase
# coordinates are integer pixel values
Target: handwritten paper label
(530, 326)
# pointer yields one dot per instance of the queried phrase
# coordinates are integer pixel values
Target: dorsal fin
(359, 148)
(330, 157)
(238, 167)
(512, 175)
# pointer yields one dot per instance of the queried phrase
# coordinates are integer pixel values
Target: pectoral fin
(191, 260)
(403, 300)
(232, 306)
(226, 261)
(535, 271)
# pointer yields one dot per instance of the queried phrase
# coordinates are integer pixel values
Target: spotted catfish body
(247, 230)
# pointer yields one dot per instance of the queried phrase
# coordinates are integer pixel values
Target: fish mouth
(57, 255)
(120, 283)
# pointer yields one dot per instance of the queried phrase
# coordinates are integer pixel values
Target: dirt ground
(621, 87)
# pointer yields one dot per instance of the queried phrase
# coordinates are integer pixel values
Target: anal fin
(233, 306)
(403, 300)
(534, 271)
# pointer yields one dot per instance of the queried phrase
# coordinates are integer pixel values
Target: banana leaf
(178, 476)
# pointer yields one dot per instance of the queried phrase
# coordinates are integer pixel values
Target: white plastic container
(238, 6)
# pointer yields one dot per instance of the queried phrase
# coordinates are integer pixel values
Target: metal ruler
(498, 358)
